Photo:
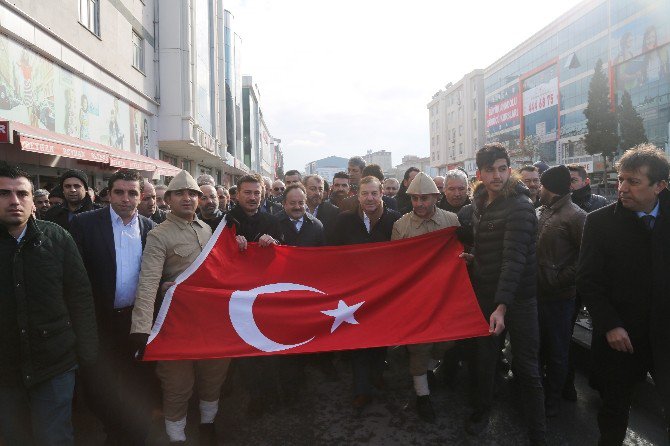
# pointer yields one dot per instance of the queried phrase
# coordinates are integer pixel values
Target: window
(89, 15)
(138, 52)
(460, 149)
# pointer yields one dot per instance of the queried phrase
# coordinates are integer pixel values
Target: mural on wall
(36, 91)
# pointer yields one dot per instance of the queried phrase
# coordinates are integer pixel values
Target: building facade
(456, 117)
(536, 94)
(257, 141)
(421, 163)
(380, 157)
(78, 89)
(327, 167)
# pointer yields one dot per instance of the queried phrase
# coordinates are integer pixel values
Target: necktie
(648, 221)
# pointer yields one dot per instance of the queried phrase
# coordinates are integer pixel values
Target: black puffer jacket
(504, 233)
(61, 214)
(587, 200)
(47, 319)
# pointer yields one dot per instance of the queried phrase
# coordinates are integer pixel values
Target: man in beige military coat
(425, 217)
(172, 247)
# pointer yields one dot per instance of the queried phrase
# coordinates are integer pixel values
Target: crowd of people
(83, 276)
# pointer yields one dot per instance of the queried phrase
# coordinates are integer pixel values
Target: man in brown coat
(425, 217)
(560, 227)
(172, 247)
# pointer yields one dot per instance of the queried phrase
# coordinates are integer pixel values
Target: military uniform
(172, 247)
(411, 225)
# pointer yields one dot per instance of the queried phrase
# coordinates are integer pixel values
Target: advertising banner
(541, 97)
(502, 110)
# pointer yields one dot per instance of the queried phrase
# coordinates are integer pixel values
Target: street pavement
(323, 415)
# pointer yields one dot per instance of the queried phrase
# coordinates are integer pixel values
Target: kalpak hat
(182, 181)
(422, 184)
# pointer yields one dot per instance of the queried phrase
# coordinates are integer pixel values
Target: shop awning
(33, 139)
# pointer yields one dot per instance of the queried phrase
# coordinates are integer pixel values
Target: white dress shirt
(366, 222)
(128, 247)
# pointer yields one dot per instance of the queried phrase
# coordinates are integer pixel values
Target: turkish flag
(284, 299)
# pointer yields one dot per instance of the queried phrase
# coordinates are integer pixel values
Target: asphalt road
(323, 415)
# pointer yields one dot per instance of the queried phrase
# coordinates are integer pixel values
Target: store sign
(501, 112)
(541, 97)
(4, 132)
(56, 149)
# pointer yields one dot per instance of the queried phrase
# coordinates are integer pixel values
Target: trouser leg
(570, 378)
(522, 322)
(483, 356)
(367, 365)
(210, 373)
(51, 410)
(15, 418)
(661, 375)
(177, 379)
(555, 326)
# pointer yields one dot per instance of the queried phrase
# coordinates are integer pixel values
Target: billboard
(37, 92)
(541, 97)
(502, 109)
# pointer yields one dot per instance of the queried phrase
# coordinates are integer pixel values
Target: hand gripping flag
(282, 299)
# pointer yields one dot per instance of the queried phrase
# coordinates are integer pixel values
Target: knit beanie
(74, 173)
(556, 180)
(541, 166)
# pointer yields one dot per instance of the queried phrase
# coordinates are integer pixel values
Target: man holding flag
(171, 248)
(425, 217)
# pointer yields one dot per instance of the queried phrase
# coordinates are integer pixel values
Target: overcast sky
(341, 77)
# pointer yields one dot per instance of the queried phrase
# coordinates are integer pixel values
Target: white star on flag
(343, 313)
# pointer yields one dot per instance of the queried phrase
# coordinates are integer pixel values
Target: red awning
(33, 139)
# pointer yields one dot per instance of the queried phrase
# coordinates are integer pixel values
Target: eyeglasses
(277, 189)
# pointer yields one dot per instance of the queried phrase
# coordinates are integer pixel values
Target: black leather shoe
(425, 408)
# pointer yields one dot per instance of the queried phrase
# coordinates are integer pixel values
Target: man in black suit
(316, 207)
(298, 227)
(622, 276)
(111, 241)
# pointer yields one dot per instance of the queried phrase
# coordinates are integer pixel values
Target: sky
(341, 78)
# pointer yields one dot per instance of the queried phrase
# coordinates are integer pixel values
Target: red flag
(283, 299)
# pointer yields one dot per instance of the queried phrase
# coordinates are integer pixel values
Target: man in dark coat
(208, 203)
(559, 237)
(624, 278)
(111, 241)
(298, 227)
(74, 184)
(580, 185)
(251, 225)
(530, 175)
(148, 206)
(47, 320)
(503, 275)
(405, 201)
(455, 194)
(371, 222)
(316, 206)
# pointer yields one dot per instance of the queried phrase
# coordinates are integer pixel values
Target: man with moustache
(355, 168)
(622, 276)
(224, 198)
(252, 225)
(425, 217)
(147, 207)
(278, 188)
(209, 206)
(316, 206)
(530, 175)
(160, 197)
(291, 177)
(111, 241)
(371, 222)
(172, 247)
(74, 184)
(340, 188)
(41, 201)
(268, 205)
(455, 195)
(391, 186)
